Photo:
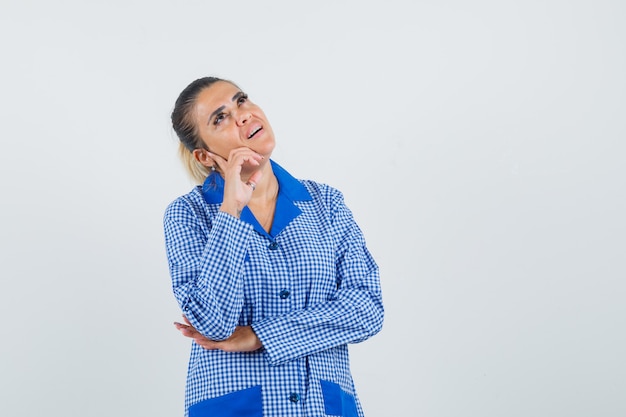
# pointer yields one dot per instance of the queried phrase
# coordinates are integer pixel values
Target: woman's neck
(266, 188)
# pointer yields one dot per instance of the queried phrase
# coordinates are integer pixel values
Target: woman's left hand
(243, 338)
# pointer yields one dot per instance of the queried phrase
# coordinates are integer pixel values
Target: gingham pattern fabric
(308, 288)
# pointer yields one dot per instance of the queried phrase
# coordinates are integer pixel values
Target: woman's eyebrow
(219, 110)
(239, 94)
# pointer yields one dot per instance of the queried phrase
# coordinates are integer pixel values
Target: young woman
(271, 273)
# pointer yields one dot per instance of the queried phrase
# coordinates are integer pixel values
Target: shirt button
(284, 293)
(294, 397)
(273, 246)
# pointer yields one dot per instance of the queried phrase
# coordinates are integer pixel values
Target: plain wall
(479, 144)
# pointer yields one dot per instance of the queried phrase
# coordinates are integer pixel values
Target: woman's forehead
(220, 92)
(213, 97)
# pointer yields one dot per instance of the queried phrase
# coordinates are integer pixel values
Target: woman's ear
(202, 156)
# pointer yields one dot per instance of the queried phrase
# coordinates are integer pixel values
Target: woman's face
(227, 120)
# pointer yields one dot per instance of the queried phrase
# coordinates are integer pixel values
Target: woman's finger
(221, 162)
(239, 156)
(255, 178)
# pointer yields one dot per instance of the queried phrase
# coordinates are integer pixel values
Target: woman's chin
(264, 149)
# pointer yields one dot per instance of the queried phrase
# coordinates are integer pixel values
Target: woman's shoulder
(319, 188)
(324, 193)
(293, 185)
(186, 204)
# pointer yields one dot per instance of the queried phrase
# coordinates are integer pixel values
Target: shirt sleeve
(206, 266)
(353, 314)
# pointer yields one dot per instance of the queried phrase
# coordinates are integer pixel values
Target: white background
(480, 145)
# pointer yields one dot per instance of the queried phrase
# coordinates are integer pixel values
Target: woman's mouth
(254, 132)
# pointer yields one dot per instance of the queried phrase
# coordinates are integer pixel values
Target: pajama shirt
(308, 288)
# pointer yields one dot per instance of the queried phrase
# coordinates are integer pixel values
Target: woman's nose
(242, 118)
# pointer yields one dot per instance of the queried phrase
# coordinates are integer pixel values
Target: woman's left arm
(352, 314)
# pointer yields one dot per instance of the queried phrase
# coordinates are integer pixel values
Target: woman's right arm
(206, 263)
(206, 266)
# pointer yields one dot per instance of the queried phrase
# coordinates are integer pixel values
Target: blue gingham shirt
(308, 288)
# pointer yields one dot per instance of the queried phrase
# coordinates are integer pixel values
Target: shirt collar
(289, 190)
(290, 186)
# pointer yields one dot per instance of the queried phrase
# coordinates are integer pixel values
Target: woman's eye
(242, 99)
(218, 119)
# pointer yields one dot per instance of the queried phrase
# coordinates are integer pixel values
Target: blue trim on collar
(289, 190)
(213, 188)
(289, 185)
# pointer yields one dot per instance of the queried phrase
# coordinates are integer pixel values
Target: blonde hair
(195, 169)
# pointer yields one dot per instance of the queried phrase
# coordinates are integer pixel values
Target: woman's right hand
(237, 190)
